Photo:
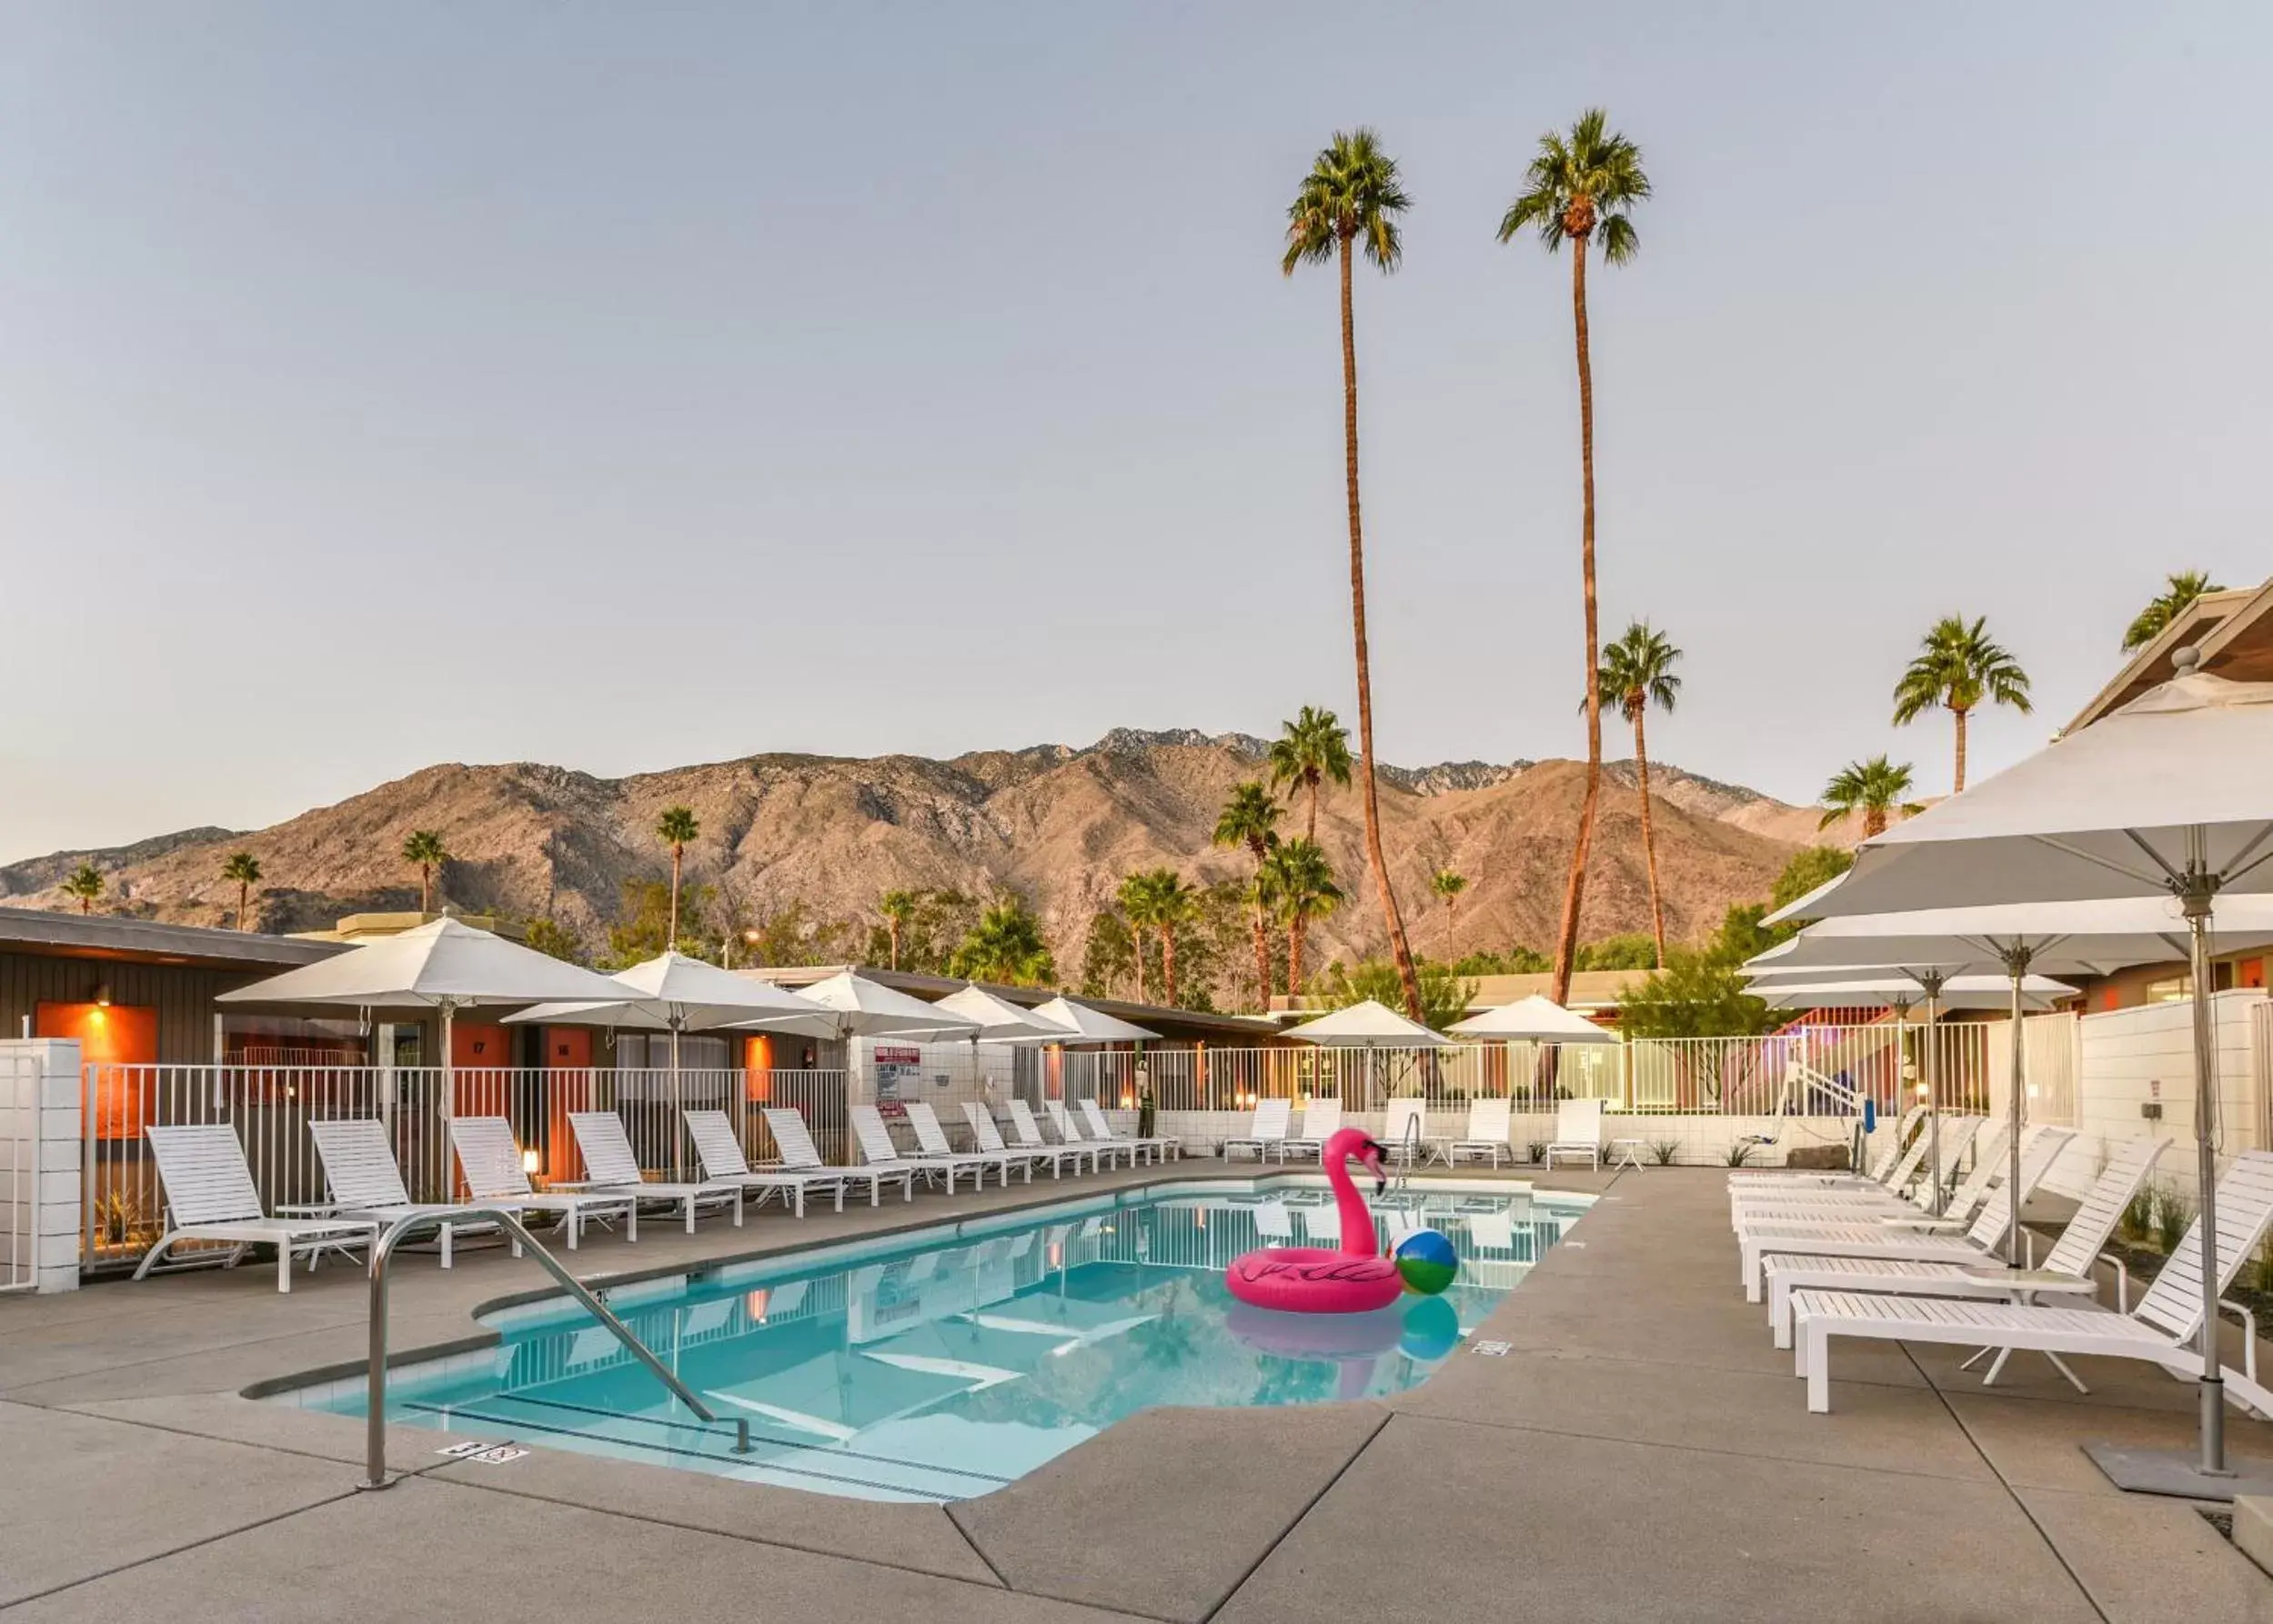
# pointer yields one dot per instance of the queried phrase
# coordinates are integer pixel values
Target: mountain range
(1060, 823)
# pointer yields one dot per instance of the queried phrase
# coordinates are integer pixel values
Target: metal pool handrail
(506, 1217)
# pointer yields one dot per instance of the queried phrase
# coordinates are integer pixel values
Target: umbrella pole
(1932, 982)
(678, 1160)
(2017, 958)
(2195, 895)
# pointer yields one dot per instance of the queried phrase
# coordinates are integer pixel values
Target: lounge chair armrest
(2248, 1334)
(307, 1208)
(574, 1187)
(2122, 1282)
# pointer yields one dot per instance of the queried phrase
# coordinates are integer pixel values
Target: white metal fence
(1804, 1071)
(270, 1107)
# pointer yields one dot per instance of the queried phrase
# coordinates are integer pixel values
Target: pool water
(947, 1363)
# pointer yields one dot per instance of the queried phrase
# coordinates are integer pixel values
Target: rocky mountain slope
(1060, 823)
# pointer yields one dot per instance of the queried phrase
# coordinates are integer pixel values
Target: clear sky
(626, 386)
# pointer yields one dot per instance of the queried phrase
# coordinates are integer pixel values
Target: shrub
(1739, 1153)
(1662, 1151)
(1537, 1150)
(2138, 1216)
(2173, 1213)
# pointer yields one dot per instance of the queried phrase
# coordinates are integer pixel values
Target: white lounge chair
(210, 1196)
(1266, 1133)
(800, 1155)
(1900, 1237)
(878, 1150)
(988, 1136)
(359, 1171)
(932, 1140)
(2067, 1268)
(490, 1162)
(1109, 1150)
(1321, 1120)
(1405, 1131)
(1160, 1144)
(1029, 1132)
(718, 1150)
(2161, 1331)
(1490, 1121)
(1577, 1132)
(1881, 1169)
(1957, 1133)
(612, 1168)
(1798, 1202)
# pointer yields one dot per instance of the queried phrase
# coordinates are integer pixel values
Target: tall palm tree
(424, 850)
(1448, 886)
(244, 869)
(1312, 748)
(898, 907)
(1006, 945)
(1580, 187)
(1250, 819)
(1157, 900)
(2178, 591)
(1350, 198)
(1299, 881)
(1875, 787)
(1135, 896)
(1957, 666)
(1637, 672)
(86, 884)
(677, 828)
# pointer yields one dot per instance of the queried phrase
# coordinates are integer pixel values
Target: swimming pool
(944, 1363)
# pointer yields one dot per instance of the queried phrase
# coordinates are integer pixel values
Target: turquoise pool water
(944, 1364)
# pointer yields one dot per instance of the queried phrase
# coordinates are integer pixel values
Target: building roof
(2232, 631)
(1168, 1023)
(144, 941)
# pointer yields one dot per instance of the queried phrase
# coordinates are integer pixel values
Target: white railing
(20, 1099)
(1826, 1071)
(271, 1106)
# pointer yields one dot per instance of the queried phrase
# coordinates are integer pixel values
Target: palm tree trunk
(1874, 822)
(1649, 836)
(1374, 859)
(1310, 829)
(1957, 783)
(1294, 925)
(1263, 950)
(1168, 964)
(891, 929)
(426, 889)
(671, 945)
(1575, 887)
(1136, 934)
(241, 888)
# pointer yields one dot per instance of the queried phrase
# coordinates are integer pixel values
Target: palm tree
(1351, 196)
(1957, 666)
(898, 908)
(1158, 899)
(1006, 945)
(2179, 590)
(1299, 881)
(1448, 886)
(1875, 787)
(1581, 186)
(1637, 672)
(244, 869)
(676, 828)
(1250, 819)
(1312, 748)
(87, 884)
(426, 850)
(1135, 896)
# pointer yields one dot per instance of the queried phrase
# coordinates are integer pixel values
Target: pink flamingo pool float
(1354, 1280)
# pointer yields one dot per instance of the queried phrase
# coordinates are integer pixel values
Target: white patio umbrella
(445, 965)
(1369, 1025)
(997, 1020)
(1835, 989)
(853, 1005)
(2087, 937)
(1538, 1019)
(673, 993)
(1085, 1025)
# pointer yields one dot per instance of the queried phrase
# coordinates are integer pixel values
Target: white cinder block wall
(40, 1212)
(2131, 1059)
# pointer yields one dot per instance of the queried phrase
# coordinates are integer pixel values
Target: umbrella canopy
(2180, 780)
(444, 966)
(2056, 939)
(1089, 1025)
(997, 1020)
(680, 994)
(855, 1006)
(1369, 1025)
(1798, 989)
(1538, 1019)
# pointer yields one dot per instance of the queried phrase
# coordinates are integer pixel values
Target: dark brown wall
(183, 994)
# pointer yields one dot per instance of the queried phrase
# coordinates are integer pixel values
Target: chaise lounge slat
(210, 1196)
(489, 1160)
(612, 1167)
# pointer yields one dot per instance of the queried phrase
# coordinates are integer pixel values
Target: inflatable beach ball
(1432, 1330)
(1427, 1261)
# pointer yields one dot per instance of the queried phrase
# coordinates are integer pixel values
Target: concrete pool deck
(1642, 1452)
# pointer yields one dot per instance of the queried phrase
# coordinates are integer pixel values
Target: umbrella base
(2178, 1472)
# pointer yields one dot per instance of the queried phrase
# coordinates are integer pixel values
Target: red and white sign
(897, 1054)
